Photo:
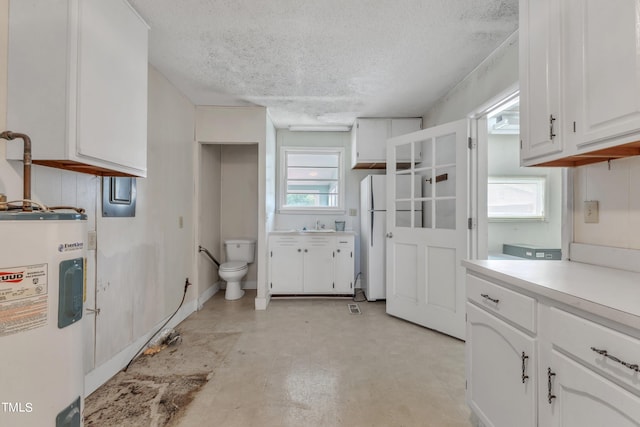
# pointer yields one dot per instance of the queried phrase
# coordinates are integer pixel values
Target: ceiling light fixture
(319, 128)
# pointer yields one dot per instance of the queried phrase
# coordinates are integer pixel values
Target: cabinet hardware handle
(306, 250)
(550, 395)
(524, 367)
(493, 300)
(605, 353)
(551, 120)
(389, 235)
(338, 250)
(299, 250)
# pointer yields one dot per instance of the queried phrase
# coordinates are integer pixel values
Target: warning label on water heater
(23, 298)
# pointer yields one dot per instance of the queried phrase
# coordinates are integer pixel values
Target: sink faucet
(317, 224)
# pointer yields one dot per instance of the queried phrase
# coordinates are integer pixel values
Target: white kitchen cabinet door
(286, 265)
(77, 84)
(344, 265)
(112, 84)
(319, 268)
(539, 79)
(370, 137)
(576, 396)
(501, 371)
(601, 72)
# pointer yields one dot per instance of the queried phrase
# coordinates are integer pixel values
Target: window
(516, 197)
(311, 179)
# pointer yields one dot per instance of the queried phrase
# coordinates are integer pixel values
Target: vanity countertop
(607, 292)
(313, 232)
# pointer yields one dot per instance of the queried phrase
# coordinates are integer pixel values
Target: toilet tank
(240, 250)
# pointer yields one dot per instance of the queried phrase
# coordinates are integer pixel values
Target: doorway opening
(521, 206)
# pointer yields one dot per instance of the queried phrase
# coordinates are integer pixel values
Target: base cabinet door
(318, 269)
(285, 265)
(501, 378)
(576, 396)
(344, 277)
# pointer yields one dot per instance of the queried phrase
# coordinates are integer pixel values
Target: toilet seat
(233, 266)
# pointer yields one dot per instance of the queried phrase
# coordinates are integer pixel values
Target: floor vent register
(354, 309)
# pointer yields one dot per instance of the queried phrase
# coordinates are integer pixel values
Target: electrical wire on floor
(358, 290)
(184, 294)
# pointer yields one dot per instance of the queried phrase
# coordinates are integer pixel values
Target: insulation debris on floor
(159, 385)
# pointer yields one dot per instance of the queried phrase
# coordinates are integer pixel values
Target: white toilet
(240, 252)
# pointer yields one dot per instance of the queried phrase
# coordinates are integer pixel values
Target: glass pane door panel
(405, 185)
(403, 156)
(423, 181)
(403, 219)
(425, 148)
(446, 214)
(403, 152)
(445, 182)
(427, 214)
(446, 149)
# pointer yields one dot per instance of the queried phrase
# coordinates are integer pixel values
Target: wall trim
(606, 256)
(262, 303)
(207, 294)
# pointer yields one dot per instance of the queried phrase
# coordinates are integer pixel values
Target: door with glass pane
(427, 233)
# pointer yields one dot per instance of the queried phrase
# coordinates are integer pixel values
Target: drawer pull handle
(550, 395)
(605, 353)
(486, 296)
(524, 367)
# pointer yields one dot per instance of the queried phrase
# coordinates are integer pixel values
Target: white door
(425, 281)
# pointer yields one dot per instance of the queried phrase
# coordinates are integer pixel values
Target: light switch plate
(353, 212)
(591, 215)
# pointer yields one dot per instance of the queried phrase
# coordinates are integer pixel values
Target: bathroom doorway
(227, 207)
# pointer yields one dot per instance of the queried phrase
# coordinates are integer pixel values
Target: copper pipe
(26, 160)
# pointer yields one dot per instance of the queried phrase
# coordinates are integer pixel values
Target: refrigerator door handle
(371, 234)
(373, 207)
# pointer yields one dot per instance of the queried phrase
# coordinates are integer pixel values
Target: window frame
(543, 183)
(282, 180)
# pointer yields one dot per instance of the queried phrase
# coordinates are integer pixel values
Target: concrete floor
(309, 362)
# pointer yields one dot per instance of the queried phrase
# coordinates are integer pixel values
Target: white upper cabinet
(580, 81)
(369, 140)
(78, 84)
(601, 72)
(539, 78)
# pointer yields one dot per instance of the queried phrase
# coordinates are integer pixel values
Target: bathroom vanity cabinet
(552, 343)
(311, 263)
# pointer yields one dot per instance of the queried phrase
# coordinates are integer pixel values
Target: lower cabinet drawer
(519, 309)
(602, 348)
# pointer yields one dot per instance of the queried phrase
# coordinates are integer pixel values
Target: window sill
(312, 211)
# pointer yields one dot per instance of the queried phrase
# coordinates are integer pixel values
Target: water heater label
(23, 298)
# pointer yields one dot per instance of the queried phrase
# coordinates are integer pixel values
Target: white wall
(618, 193)
(495, 75)
(143, 261)
(504, 160)
(209, 200)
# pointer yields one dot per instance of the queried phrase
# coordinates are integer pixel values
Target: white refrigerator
(373, 229)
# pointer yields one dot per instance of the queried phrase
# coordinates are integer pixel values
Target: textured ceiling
(323, 61)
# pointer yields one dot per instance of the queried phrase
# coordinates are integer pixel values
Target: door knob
(389, 235)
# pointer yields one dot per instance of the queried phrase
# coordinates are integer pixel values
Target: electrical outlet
(92, 240)
(353, 212)
(591, 212)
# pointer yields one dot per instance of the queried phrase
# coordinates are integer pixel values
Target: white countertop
(313, 232)
(606, 292)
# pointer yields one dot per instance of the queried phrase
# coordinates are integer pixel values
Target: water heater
(42, 288)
